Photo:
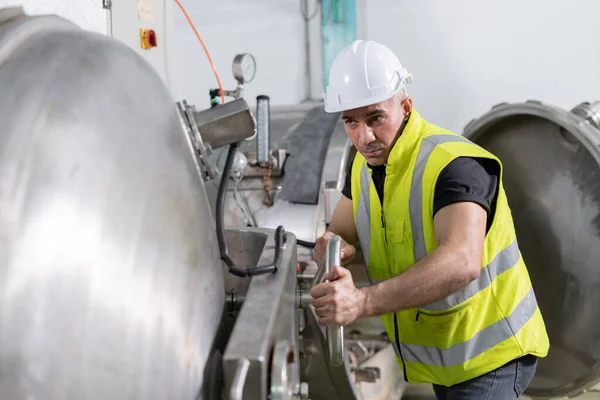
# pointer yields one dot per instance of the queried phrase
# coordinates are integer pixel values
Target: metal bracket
(281, 363)
(201, 151)
(107, 4)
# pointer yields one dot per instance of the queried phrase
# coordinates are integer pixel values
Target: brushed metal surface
(551, 164)
(268, 315)
(226, 123)
(110, 279)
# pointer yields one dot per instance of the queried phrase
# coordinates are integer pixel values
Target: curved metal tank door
(110, 279)
(551, 165)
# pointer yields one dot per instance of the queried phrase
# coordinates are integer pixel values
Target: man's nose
(366, 135)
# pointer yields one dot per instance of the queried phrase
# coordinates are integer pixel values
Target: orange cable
(205, 49)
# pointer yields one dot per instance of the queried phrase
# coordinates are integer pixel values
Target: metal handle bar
(334, 333)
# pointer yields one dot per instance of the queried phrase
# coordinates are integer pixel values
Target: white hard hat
(362, 74)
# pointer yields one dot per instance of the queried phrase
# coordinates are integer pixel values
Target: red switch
(148, 38)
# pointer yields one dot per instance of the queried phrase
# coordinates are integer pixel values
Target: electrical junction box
(144, 25)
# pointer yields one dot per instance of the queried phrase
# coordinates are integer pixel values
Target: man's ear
(407, 105)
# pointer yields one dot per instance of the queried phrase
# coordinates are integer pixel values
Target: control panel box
(145, 26)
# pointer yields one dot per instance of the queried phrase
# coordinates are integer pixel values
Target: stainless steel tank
(110, 278)
(551, 161)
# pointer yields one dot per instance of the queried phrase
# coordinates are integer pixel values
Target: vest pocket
(401, 250)
(399, 232)
(442, 329)
(436, 314)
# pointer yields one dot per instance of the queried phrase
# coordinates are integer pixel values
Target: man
(430, 213)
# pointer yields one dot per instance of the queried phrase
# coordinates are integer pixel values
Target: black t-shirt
(463, 179)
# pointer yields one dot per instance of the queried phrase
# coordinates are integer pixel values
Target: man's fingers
(347, 253)
(324, 321)
(325, 310)
(336, 272)
(340, 271)
(331, 275)
(320, 290)
(321, 301)
(320, 245)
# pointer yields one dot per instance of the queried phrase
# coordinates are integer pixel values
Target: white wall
(272, 30)
(467, 55)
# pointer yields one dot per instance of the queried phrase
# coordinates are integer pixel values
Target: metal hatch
(551, 160)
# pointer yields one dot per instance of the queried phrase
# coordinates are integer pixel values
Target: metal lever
(334, 334)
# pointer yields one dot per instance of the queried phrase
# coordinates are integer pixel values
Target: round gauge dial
(244, 68)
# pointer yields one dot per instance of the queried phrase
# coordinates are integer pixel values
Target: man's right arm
(342, 224)
(342, 221)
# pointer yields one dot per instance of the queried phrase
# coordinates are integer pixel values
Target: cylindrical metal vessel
(110, 279)
(551, 160)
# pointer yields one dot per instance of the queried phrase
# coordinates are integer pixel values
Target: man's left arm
(460, 230)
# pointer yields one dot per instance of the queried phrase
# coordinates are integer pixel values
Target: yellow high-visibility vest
(491, 321)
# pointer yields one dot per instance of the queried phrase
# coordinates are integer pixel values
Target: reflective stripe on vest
(363, 214)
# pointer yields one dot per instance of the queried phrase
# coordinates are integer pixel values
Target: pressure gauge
(244, 68)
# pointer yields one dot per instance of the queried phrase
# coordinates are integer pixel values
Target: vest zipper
(383, 225)
(399, 348)
(383, 217)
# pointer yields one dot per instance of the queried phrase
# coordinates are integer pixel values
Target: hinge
(107, 4)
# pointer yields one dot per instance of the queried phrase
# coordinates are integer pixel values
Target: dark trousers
(505, 383)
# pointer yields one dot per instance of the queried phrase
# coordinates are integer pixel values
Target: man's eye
(377, 118)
